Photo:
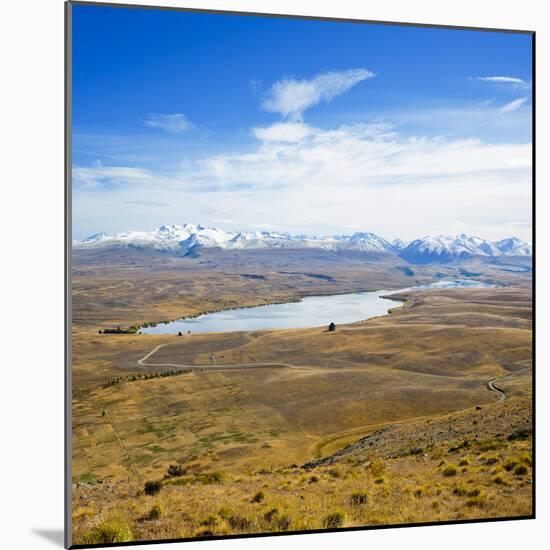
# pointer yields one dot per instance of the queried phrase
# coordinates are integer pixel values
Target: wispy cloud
(173, 123)
(90, 177)
(513, 105)
(284, 131)
(502, 80)
(290, 97)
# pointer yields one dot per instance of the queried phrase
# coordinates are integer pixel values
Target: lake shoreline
(314, 311)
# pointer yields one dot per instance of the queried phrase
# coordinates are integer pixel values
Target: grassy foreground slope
(471, 464)
(239, 433)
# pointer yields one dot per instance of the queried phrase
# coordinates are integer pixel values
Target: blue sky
(298, 125)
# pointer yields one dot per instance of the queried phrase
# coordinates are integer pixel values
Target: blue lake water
(313, 311)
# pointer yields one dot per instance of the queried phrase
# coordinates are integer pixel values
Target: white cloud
(363, 155)
(291, 97)
(513, 105)
(173, 124)
(502, 80)
(96, 176)
(284, 131)
(304, 179)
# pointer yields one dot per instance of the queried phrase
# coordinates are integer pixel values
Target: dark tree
(331, 327)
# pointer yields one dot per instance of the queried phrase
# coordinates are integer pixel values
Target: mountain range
(189, 239)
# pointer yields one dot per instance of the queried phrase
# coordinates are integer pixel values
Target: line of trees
(148, 376)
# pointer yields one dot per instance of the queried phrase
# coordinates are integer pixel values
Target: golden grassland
(472, 470)
(395, 380)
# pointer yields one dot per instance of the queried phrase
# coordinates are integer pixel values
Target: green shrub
(464, 462)
(112, 529)
(156, 512)
(152, 487)
(450, 470)
(313, 479)
(334, 520)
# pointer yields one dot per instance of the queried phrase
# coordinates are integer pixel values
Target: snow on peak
(187, 238)
(446, 248)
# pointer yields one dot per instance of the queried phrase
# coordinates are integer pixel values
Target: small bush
(520, 435)
(152, 487)
(156, 512)
(418, 492)
(175, 470)
(521, 470)
(416, 451)
(460, 491)
(379, 480)
(490, 460)
(270, 515)
(113, 529)
(313, 479)
(450, 470)
(510, 465)
(334, 520)
(499, 480)
(239, 523)
(464, 462)
(258, 497)
(359, 497)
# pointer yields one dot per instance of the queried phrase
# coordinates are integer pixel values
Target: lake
(312, 311)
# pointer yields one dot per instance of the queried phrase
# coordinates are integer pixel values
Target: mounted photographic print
(299, 265)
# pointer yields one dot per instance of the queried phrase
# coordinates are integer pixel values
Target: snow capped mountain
(514, 247)
(445, 248)
(187, 239)
(368, 242)
(399, 244)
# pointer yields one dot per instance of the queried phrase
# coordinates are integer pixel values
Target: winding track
(495, 389)
(143, 363)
